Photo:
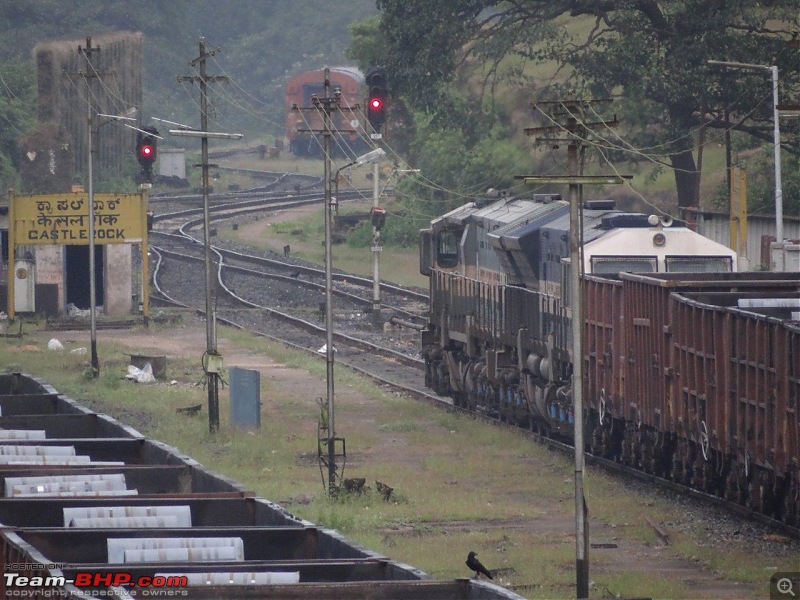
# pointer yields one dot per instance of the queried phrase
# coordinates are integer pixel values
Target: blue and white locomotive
(500, 324)
(524, 241)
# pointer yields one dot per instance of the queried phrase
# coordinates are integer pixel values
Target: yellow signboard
(64, 219)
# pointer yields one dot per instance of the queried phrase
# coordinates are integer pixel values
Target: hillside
(260, 43)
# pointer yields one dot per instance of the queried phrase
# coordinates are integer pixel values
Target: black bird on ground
(295, 275)
(474, 564)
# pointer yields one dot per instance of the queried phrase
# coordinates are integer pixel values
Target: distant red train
(300, 91)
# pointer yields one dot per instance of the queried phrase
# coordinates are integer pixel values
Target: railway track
(299, 328)
(283, 299)
(240, 277)
(277, 183)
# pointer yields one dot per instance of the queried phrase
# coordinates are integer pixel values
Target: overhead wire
(13, 96)
(15, 100)
(245, 100)
(344, 146)
(118, 104)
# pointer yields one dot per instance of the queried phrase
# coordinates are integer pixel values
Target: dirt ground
(621, 555)
(253, 233)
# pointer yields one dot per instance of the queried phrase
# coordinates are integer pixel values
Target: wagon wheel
(704, 442)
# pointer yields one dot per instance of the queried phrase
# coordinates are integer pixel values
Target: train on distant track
(691, 370)
(347, 122)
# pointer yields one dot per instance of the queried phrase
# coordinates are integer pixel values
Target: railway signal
(378, 217)
(146, 151)
(376, 98)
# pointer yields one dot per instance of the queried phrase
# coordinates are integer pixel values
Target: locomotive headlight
(659, 239)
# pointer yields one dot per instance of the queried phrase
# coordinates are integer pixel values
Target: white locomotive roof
(640, 241)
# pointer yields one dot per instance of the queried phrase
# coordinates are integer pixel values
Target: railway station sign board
(64, 219)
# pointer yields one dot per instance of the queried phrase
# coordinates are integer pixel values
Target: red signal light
(376, 103)
(146, 151)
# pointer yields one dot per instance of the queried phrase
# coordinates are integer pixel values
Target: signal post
(377, 92)
(146, 151)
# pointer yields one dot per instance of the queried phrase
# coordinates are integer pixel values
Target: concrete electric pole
(571, 128)
(326, 106)
(212, 360)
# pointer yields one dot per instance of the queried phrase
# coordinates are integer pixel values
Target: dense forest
(463, 74)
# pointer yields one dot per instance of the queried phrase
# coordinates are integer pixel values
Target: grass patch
(405, 426)
(305, 235)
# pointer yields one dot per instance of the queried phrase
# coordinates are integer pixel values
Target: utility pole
(88, 76)
(212, 360)
(326, 106)
(776, 135)
(569, 124)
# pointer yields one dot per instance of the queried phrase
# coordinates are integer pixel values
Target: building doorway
(77, 276)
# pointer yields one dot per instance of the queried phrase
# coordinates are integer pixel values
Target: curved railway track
(243, 279)
(276, 183)
(239, 309)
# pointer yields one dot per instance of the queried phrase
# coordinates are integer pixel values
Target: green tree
(17, 111)
(654, 53)
(462, 144)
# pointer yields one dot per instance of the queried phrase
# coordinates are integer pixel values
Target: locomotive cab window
(628, 264)
(447, 248)
(698, 264)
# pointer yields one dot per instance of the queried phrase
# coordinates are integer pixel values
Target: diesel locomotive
(691, 369)
(302, 88)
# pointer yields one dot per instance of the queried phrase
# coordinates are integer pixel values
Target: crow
(474, 564)
(385, 490)
(295, 275)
